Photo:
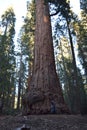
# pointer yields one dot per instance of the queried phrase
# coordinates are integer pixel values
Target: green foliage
(27, 36)
(25, 52)
(7, 58)
(81, 31)
(66, 74)
(66, 65)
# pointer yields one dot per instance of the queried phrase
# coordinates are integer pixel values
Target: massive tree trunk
(44, 87)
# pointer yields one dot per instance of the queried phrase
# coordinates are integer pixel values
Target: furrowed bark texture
(45, 86)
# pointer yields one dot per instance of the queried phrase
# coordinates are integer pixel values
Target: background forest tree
(7, 58)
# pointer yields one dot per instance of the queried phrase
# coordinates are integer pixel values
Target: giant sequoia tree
(44, 87)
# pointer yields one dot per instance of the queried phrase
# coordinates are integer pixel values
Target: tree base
(38, 104)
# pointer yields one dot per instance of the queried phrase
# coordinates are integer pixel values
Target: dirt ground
(43, 122)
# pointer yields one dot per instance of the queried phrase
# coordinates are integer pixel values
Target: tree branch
(54, 13)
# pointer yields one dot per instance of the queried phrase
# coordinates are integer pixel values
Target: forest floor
(43, 122)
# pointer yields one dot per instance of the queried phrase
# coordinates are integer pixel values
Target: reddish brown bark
(45, 86)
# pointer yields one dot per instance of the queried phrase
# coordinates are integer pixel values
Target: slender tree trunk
(76, 88)
(13, 99)
(19, 94)
(19, 84)
(67, 86)
(45, 87)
